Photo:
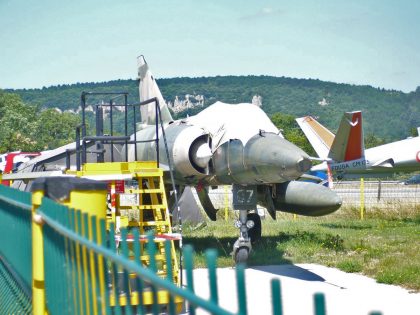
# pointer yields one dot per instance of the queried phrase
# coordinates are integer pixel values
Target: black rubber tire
(241, 255)
(255, 232)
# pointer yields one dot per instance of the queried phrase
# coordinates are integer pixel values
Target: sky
(50, 42)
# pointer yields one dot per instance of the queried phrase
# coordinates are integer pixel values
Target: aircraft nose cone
(328, 201)
(275, 159)
(304, 164)
(337, 201)
(293, 163)
(306, 198)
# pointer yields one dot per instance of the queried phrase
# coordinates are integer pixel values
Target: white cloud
(261, 13)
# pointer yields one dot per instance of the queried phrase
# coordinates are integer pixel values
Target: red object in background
(10, 162)
(119, 186)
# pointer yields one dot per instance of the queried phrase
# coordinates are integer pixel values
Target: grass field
(385, 245)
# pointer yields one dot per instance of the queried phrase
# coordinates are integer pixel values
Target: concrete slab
(345, 293)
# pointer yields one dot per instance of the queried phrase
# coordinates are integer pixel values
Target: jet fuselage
(399, 156)
(265, 158)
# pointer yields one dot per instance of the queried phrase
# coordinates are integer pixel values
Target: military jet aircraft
(234, 145)
(224, 144)
(345, 156)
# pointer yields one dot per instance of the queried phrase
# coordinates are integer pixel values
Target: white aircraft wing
(226, 121)
(318, 136)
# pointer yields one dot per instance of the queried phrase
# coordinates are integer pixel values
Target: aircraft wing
(388, 163)
(226, 121)
(319, 137)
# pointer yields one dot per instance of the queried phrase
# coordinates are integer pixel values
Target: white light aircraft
(345, 156)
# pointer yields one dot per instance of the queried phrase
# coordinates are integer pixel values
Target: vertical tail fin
(319, 137)
(349, 143)
(147, 90)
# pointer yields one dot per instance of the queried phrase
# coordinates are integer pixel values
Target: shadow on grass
(265, 255)
(264, 252)
(270, 249)
(352, 226)
(415, 220)
(363, 225)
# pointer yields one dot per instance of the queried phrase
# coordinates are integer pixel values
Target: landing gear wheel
(254, 233)
(241, 255)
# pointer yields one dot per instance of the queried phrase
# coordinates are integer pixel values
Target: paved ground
(345, 293)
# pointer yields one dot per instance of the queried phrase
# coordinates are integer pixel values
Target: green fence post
(86, 265)
(169, 275)
(80, 269)
(74, 262)
(97, 271)
(276, 297)
(319, 300)
(151, 250)
(69, 266)
(126, 273)
(188, 260)
(241, 289)
(103, 266)
(211, 258)
(114, 270)
(139, 281)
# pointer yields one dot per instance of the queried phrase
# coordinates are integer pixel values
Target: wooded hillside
(387, 114)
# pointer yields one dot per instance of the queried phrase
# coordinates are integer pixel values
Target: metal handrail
(16, 203)
(125, 139)
(81, 130)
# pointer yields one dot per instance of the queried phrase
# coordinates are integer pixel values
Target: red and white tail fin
(348, 143)
(319, 137)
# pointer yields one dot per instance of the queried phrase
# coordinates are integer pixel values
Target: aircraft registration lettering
(340, 167)
(354, 164)
(360, 163)
(244, 197)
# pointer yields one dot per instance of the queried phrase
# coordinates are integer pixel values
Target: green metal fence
(85, 272)
(13, 299)
(15, 251)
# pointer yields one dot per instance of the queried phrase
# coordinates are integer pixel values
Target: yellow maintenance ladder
(149, 212)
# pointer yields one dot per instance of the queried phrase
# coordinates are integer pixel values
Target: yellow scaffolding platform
(150, 214)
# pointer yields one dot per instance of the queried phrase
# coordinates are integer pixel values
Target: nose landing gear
(249, 224)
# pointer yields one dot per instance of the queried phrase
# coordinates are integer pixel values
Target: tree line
(25, 127)
(28, 127)
(388, 114)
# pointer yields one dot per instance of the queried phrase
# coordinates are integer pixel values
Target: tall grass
(385, 245)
